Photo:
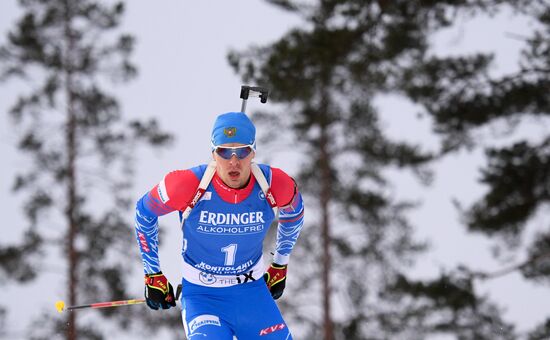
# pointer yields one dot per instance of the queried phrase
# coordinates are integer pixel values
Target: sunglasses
(240, 151)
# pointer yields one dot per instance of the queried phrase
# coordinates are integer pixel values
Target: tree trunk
(328, 330)
(72, 209)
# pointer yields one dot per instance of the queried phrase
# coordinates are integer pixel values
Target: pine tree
(328, 73)
(81, 151)
(464, 97)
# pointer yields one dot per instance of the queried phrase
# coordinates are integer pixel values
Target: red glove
(159, 292)
(275, 278)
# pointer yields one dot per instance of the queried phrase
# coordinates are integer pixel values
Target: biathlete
(226, 208)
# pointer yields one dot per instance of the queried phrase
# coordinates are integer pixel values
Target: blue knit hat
(233, 127)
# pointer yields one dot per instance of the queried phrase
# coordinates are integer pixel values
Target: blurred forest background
(416, 130)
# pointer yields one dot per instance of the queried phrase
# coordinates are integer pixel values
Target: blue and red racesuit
(223, 290)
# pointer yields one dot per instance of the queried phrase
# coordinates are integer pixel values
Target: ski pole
(60, 305)
(254, 91)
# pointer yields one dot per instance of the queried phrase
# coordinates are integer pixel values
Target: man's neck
(233, 195)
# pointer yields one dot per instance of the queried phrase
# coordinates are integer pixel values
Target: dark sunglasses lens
(243, 152)
(223, 153)
(227, 153)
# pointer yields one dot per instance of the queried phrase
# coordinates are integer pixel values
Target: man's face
(234, 171)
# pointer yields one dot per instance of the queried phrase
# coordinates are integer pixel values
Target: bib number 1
(230, 252)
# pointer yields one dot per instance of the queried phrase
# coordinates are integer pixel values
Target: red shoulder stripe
(283, 187)
(177, 188)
